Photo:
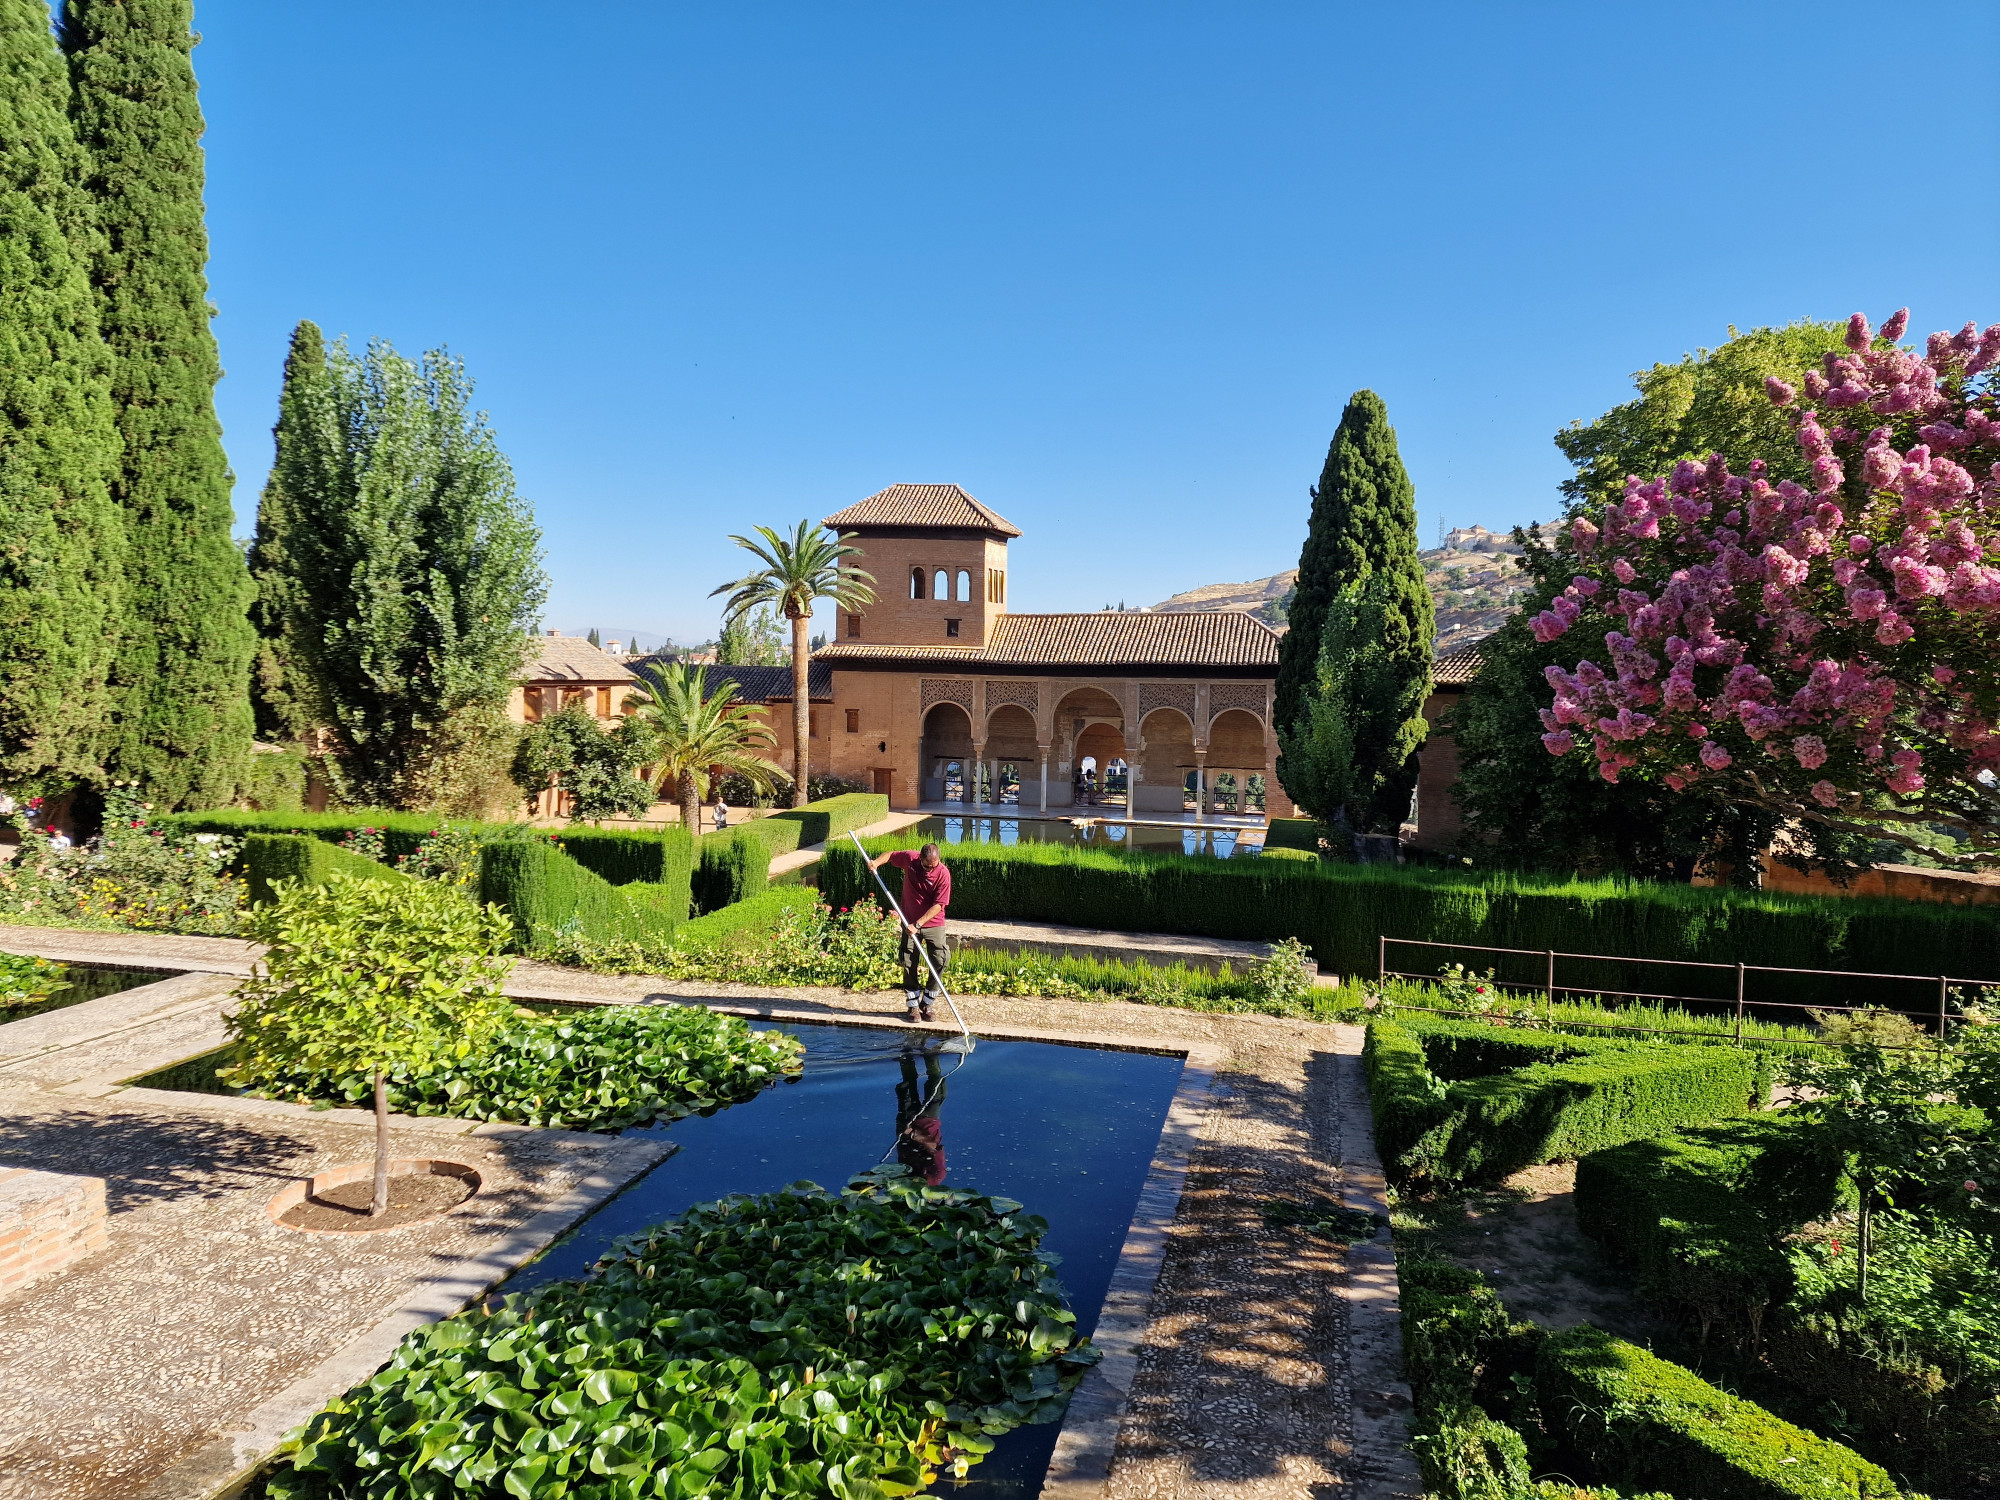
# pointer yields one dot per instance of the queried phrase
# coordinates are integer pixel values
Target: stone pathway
(1271, 1364)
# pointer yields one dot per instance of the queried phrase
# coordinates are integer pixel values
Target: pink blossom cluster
(1823, 641)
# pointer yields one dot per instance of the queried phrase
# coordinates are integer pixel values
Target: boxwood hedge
(401, 832)
(794, 1344)
(734, 863)
(549, 895)
(1524, 1097)
(747, 920)
(269, 857)
(625, 856)
(1339, 911)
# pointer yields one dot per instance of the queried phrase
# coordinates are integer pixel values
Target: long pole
(936, 978)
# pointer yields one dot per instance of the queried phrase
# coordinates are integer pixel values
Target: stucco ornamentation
(1248, 696)
(938, 690)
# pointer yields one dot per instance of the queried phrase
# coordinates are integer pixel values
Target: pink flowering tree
(1828, 651)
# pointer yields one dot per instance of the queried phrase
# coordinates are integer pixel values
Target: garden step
(1157, 948)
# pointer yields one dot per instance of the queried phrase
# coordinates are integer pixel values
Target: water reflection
(1163, 839)
(919, 1130)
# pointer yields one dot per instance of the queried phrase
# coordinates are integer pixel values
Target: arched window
(943, 586)
(964, 586)
(916, 583)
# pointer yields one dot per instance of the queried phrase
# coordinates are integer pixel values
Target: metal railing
(1550, 989)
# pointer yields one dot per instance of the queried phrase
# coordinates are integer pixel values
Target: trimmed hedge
(269, 857)
(1283, 852)
(1340, 910)
(1557, 1097)
(756, 917)
(549, 894)
(661, 857)
(1699, 1213)
(1637, 1418)
(734, 864)
(1292, 833)
(401, 831)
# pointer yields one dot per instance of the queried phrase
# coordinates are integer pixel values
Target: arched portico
(947, 738)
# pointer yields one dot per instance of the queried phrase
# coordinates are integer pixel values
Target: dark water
(1069, 1131)
(84, 984)
(1155, 839)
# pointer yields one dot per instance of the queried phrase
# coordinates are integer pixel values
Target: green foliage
(1285, 978)
(61, 567)
(1350, 755)
(755, 639)
(28, 980)
(656, 856)
(180, 679)
(274, 781)
(1283, 853)
(269, 858)
(1699, 1214)
(1533, 810)
(1340, 910)
(732, 865)
(448, 854)
(399, 573)
(1638, 1418)
(132, 875)
(750, 921)
(1361, 629)
(1293, 834)
(688, 737)
(1517, 1102)
(403, 834)
(572, 752)
(794, 1344)
(611, 1069)
(1636, 1020)
(367, 975)
(550, 896)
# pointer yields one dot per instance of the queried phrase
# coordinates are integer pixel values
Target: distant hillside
(1473, 579)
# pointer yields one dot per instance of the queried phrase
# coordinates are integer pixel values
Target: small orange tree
(366, 976)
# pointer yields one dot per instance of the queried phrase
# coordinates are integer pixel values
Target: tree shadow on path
(152, 1158)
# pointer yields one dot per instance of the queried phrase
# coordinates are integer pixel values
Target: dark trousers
(931, 940)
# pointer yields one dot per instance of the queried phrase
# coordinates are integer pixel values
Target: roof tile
(1184, 638)
(922, 505)
(571, 658)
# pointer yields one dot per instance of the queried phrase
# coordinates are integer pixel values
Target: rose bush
(1822, 650)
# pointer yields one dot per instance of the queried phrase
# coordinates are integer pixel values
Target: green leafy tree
(798, 571)
(572, 752)
(400, 573)
(61, 539)
(755, 639)
(370, 976)
(1346, 754)
(1532, 809)
(180, 703)
(690, 737)
(1359, 561)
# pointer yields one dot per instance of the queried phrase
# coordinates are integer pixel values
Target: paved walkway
(1270, 1367)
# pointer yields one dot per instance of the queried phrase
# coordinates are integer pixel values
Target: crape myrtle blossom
(1828, 650)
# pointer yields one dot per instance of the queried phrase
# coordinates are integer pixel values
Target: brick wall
(47, 1220)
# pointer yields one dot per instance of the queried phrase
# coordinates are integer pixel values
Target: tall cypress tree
(1355, 665)
(304, 447)
(180, 701)
(60, 537)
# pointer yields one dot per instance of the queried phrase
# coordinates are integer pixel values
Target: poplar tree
(180, 711)
(1354, 668)
(60, 537)
(398, 573)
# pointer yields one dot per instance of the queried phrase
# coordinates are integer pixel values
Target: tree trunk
(690, 805)
(381, 1203)
(1867, 1238)
(801, 706)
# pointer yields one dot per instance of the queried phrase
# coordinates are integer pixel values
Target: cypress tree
(304, 447)
(60, 537)
(179, 684)
(1354, 668)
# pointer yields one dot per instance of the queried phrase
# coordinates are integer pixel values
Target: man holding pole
(925, 951)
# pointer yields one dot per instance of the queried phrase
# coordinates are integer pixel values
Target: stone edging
(1381, 1396)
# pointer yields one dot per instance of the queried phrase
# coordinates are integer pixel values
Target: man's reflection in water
(919, 1133)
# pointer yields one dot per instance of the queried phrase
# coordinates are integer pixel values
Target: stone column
(1045, 780)
(1200, 784)
(975, 770)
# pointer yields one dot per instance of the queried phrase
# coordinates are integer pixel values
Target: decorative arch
(942, 589)
(1236, 740)
(916, 583)
(964, 586)
(1251, 697)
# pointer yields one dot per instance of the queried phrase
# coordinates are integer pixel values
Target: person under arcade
(925, 897)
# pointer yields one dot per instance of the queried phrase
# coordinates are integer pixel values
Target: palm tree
(798, 572)
(691, 736)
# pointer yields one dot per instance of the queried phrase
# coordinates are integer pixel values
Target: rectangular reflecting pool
(84, 983)
(1151, 838)
(1069, 1131)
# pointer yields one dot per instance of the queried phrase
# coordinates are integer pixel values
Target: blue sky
(1113, 268)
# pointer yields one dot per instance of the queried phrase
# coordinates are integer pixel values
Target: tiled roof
(1457, 668)
(760, 684)
(922, 505)
(571, 658)
(1112, 639)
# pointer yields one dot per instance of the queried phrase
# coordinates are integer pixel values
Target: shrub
(732, 865)
(1301, 834)
(751, 921)
(136, 873)
(1340, 910)
(549, 895)
(662, 857)
(1637, 1418)
(732, 1351)
(270, 857)
(1281, 852)
(1699, 1214)
(274, 780)
(402, 833)
(613, 1068)
(1557, 1098)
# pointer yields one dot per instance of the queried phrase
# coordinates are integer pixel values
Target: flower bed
(797, 1343)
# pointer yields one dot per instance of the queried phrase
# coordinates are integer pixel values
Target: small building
(567, 669)
(1438, 821)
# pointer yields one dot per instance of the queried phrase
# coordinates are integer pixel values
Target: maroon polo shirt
(922, 888)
